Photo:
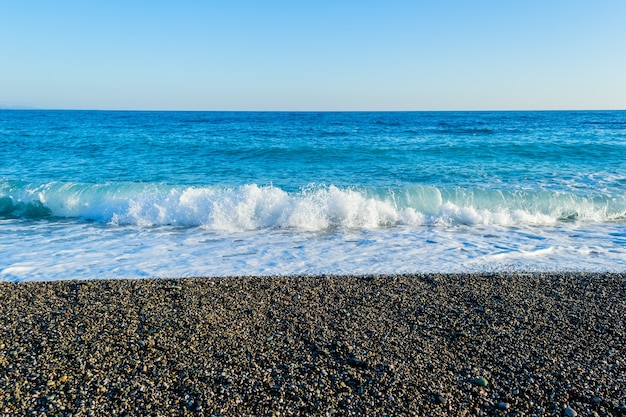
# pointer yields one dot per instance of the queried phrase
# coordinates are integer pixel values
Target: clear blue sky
(313, 55)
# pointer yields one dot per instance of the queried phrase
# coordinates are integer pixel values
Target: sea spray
(252, 207)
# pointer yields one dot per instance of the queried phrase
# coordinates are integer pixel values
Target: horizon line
(27, 108)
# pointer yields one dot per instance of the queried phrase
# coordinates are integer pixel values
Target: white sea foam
(253, 207)
(63, 231)
(38, 251)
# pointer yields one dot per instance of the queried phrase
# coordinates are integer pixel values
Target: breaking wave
(314, 208)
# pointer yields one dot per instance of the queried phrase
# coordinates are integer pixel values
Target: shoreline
(413, 344)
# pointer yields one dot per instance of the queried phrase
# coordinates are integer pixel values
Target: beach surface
(428, 345)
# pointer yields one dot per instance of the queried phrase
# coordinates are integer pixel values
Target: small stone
(569, 412)
(357, 363)
(63, 378)
(503, 405)
(440, 399)
(481, 382)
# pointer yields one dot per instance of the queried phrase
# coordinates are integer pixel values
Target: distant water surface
(102, 194)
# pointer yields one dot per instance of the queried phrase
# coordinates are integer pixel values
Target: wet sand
(428, 345)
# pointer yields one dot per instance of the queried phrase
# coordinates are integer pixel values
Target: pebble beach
(544, 344)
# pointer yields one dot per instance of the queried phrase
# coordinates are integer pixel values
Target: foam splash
(315, 208)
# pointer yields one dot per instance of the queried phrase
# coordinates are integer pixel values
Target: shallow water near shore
(160, 194)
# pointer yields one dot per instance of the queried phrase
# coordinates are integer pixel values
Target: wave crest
(315, 208)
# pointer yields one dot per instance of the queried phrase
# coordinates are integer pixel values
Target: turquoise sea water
(99, 194)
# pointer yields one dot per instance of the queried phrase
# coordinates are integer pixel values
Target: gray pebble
(569, 412)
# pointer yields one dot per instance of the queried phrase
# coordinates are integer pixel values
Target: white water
(316, 208)
(74, 250)
(59, 230)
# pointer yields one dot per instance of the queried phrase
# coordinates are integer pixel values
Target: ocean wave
(314, 208)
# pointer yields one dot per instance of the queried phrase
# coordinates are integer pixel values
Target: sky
(316, 55)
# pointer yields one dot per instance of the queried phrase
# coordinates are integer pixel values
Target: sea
(137, 194)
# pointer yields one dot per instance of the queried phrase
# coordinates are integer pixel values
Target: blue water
(102, 194)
